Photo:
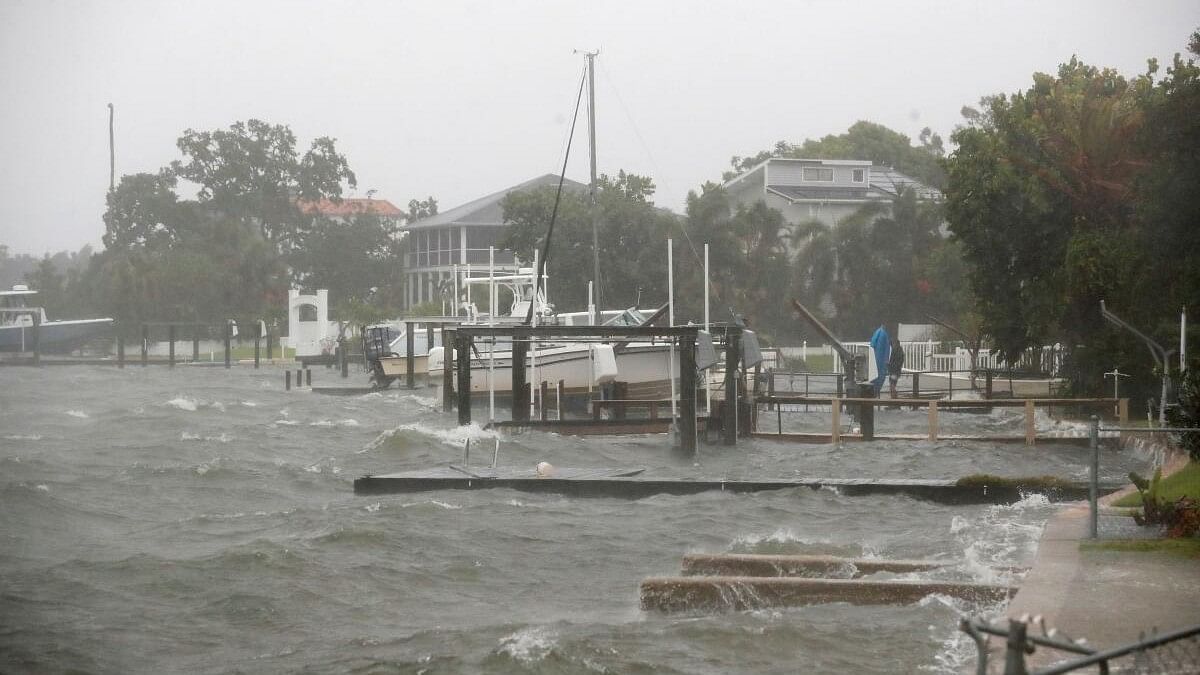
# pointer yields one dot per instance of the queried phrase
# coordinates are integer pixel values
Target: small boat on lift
(17, 322)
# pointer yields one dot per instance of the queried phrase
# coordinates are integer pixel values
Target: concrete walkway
(1108, 597)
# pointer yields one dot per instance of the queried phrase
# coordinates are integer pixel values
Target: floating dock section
(634, 484)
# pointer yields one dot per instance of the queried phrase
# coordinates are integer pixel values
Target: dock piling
(687, 395)
(520, 391)
(228, 346)
(342, 356)
(543, 390)
(287, 380)
(933, 420)
(409, 356)
(37, 338)
(120, 349)
(257, 342)
(448, 342)
(463, 347)
(171, 348)
(145, 345)
(195, 344)
(1030, 428)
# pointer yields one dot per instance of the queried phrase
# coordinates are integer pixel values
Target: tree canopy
(1074, 191)
(864, 141)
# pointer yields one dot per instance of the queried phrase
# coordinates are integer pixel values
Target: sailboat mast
(591, 59)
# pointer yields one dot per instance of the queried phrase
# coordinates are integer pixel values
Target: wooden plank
(679, 594)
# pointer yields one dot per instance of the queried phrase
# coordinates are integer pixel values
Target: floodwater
(203, 520)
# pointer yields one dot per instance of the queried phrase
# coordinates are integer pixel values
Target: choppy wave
(453, 436)
(528, 644)
(78, 413)
(183, 403)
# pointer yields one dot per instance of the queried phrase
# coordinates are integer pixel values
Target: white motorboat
(17, 318)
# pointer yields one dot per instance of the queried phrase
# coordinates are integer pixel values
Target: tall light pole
(112, 157)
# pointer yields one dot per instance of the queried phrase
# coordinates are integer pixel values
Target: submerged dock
(632, 483)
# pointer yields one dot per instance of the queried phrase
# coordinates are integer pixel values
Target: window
(815, 173)
(860, 175)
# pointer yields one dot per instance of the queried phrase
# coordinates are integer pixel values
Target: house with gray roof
(826, 190)
(453, 239)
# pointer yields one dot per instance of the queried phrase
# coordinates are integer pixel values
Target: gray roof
(892, 181)
(487, 210)
(802, 192)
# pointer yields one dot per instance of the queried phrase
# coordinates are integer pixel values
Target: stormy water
(203, 520)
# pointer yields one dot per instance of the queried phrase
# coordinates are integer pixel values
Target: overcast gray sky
(458, 99)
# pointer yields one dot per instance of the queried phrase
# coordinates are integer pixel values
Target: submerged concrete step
(768, 565)
(681, 594)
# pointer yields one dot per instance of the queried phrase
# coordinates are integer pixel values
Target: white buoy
(545, 470)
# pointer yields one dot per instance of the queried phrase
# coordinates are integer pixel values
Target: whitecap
(782, 535)
(372, 508)
(23, 437)
(188, 436)
(445, 505)
(188, 404)
(454, 436)
(528, 644)
(250, 404)
(43, 487)
(78, 413)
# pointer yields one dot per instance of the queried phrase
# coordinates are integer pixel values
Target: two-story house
(826, 190)
(461, 236)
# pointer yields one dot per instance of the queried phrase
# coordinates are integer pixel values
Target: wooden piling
(520, 389)
(933, 420)
(835, 435)
(37, 338)
(916, 386)
(866, 413)
(987, 385)
(463, 347)
(195, 344)
(120, 349)
(687, 395)
(343, 357)
(228, 346)
(270, 346)
(558, 401)
(543, 389)
(409, 356)
(287, 380)
(1030, 428)
(171, 348)
(448, 342)
(145, 345)
(257, 342)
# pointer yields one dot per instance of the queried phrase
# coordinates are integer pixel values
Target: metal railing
(1176, 651)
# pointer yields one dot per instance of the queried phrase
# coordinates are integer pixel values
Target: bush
(1187, 413)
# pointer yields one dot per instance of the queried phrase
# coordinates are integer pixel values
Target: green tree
(1063, 195)
(252, 170)
(864, 141)
(144, 211)
(632, 235)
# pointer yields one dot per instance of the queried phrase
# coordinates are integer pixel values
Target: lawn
(1185, 482)
(1185, 548)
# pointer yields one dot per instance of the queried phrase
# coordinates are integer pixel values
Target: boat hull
(53, 336)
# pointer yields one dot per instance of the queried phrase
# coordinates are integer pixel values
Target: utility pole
(112, 157)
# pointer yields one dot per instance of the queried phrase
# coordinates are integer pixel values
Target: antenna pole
(591, 61)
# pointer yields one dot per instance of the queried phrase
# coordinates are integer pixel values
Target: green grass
(1185, 482)
(1184, 548)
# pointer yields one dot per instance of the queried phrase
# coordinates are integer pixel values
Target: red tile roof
(350, 207)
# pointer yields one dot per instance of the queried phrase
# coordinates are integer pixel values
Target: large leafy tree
(252, 170)
(1063, 195)
(864, 141)
(632, 235)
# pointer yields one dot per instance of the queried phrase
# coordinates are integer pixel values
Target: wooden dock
(633, 484)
